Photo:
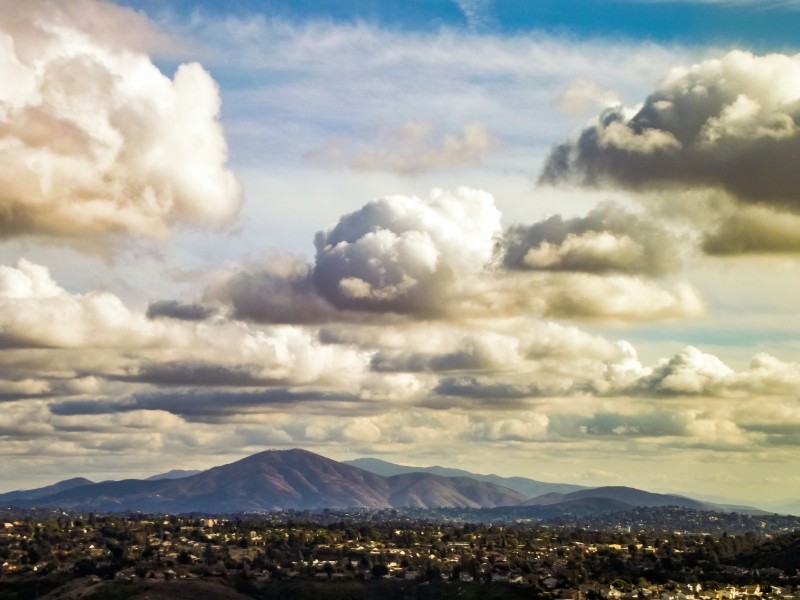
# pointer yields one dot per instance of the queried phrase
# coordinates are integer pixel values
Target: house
(729, 593)
(752, 590)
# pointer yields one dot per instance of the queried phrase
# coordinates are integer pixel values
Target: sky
(557, 239)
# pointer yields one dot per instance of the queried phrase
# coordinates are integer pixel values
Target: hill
(626, 495)
(174, 474)
(42, 492)
(634, 497)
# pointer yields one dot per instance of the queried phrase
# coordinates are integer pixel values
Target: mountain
(542, 493)
(274, 480)
(626, 495)
(527, 487)
(791, 508)
(423, 490)
(42, 492)
(302, 480)
(174, 474)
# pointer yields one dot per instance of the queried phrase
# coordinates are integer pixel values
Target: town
(41, 551)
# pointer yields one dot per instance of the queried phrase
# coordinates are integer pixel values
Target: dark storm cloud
(729, 124)
(479, 387)
(174, 309)
(202, 374)
(280, 292)
(193, 404)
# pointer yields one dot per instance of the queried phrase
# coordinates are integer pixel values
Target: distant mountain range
(527, 487)
(173, 474)
(298, 479)
(564, 497)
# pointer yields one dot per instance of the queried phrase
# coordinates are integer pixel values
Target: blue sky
(761, 25)
(550, 239)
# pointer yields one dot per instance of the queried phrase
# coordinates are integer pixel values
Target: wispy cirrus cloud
(412, 149)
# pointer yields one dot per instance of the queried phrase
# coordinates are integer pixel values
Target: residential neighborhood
(251, 552)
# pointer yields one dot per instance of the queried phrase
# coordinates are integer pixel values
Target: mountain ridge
(276, 480)
(43, 492)
(524, 485)
(174, 474)
(298, 479)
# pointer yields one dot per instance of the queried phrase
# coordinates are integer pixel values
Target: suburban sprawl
(396, 553)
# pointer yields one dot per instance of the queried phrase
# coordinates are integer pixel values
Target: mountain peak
(280, 479)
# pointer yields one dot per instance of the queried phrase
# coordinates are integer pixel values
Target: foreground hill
(527, 487)
(626, 495)
(275, 480)
(633, 497)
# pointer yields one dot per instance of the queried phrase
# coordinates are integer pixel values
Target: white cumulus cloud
(94, 139)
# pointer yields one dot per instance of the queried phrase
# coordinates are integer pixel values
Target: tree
(379, 570)
(209, 556)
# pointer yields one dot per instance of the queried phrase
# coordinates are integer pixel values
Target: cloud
(471, 353)
(477, 12)
(692, 372)
(66, 337)
(597, 369)
(173, 309)
(582, 95)
(439, 259)
(688, 372)
(653, 423)
(608, 239)
(195, 404)
(754, 229)
(114, 26)
(94, 139)
(485, 388)
(412, 149)
(528, 426)
(768, 375)
(293, 84)
(447, 258)
(611, 298)
(194, 373)
(38, 313)
(406, 255)
(281, 291)
(727, 124)
(522, 358)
